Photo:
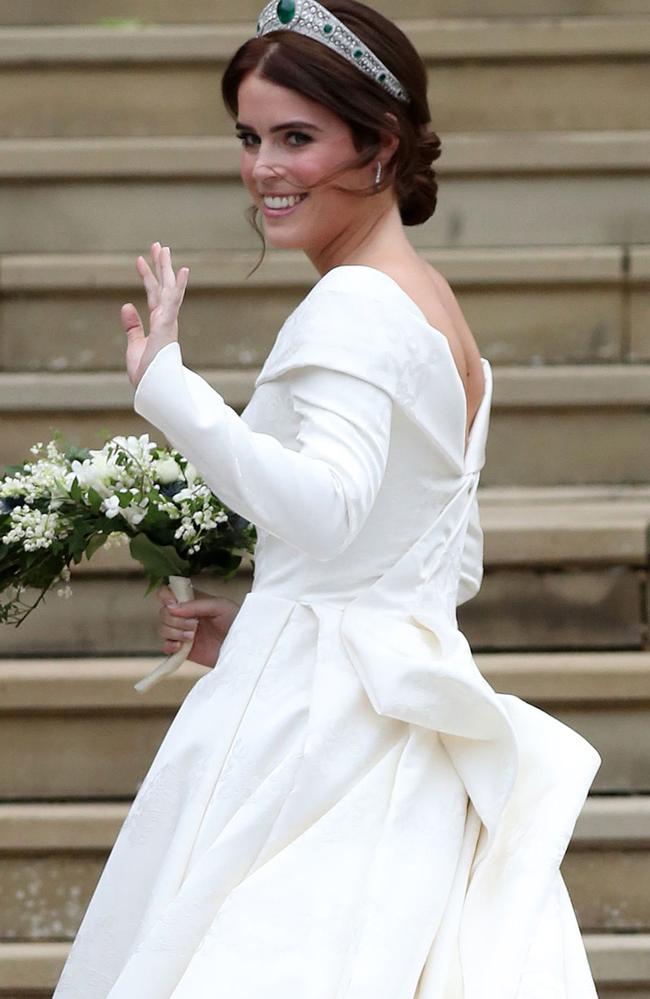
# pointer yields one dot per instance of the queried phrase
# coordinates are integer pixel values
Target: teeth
(287, 202)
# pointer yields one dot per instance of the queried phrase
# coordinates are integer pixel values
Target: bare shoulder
(452, 307)
(435, 297)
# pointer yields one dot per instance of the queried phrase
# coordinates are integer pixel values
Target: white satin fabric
(343, 808)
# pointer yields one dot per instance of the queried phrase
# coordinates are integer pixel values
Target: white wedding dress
(344, 808)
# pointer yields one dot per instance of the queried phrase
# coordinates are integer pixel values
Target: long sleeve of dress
(316, 498)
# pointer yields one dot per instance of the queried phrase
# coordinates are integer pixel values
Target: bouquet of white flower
(67, 502)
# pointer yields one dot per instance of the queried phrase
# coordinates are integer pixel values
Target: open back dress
(344, 808)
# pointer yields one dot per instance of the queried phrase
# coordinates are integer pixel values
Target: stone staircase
(112, 136)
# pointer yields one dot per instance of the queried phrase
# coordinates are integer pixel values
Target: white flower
(133, 514)
(191, 473)
(138, 447)
(166, 470)
(33, 528)
(111, 506)
(115, 540)
(186, 532)
(182, 496)
(41, 479)
(95, 473)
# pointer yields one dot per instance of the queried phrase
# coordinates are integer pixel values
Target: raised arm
(316, 498)
(336, 358)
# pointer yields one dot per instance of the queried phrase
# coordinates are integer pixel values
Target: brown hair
(314, 70)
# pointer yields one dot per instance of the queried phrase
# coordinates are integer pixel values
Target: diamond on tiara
(310, 18)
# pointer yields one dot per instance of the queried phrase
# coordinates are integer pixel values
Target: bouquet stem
(182, 589)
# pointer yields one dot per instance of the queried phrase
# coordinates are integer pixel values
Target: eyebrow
(281, 128)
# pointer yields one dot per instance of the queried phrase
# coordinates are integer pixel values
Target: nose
(266, 165)
(263, 171)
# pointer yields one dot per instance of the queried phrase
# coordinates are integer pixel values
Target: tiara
(310, 18)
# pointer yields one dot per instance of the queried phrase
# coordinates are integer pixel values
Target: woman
(342, 808)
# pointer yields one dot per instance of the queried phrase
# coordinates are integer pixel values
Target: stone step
(77, 729)
(42, 12)
(589, 421)
(51, 856)
(526, 305)
(573, 72)
(519, 607)
(620, 964)
(556, 571)
(574, 191)
(565, 568)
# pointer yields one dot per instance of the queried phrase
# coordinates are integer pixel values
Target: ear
(388, 138)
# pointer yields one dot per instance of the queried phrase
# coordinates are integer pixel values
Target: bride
(342, 808)
(331, 224)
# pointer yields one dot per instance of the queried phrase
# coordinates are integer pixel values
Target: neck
(379, 236)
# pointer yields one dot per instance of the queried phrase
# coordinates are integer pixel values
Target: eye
(249, 139)
(301, 136)
(244, 136)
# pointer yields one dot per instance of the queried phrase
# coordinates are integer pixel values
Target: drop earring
(378, 174)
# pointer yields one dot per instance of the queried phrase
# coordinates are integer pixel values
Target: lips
(276, 205)
(282, 194)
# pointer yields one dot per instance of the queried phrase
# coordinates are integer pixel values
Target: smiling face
(289, 143)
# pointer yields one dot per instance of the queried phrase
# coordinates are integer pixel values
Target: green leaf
(95, 542)
(153, 583)
(158, 561)
(74, 453)
(76, 542)
(43, 574)
(94, 500)
(75, 491)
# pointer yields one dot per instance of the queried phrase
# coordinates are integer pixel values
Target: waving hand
(165, 294)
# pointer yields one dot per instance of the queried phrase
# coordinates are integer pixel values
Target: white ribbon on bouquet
(182, 589)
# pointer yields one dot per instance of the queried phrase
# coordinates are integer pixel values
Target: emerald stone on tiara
(310, 18)
(286, 11)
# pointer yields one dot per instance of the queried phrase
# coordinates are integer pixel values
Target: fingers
(173, 611)
(162, 262)
(177, 621)
(150, 282)
(169, 648)
(131, 322)
(184, 634)
(177, 626)
(176, 631)
(164, 277)
(212, 607)
(165, 595)
(155, 254)
(170, 282)
(168, 276)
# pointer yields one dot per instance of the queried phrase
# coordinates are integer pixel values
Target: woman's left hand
(205, 619)
(165, 294)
